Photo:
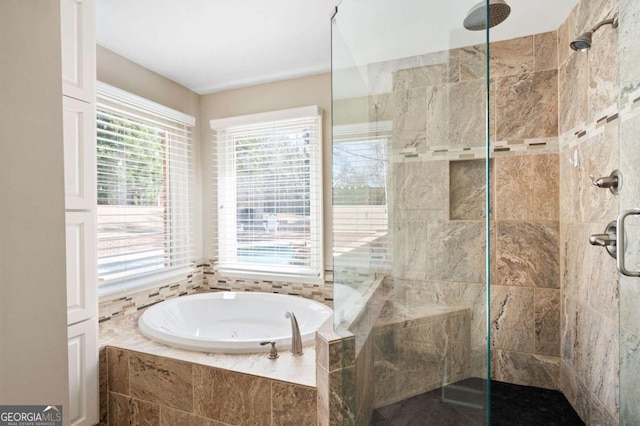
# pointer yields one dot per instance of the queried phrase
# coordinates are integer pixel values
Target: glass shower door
(410, 169)
(629, 140)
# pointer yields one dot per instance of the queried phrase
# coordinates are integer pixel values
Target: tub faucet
(296, 339)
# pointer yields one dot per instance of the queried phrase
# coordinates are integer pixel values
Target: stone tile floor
(511, 405)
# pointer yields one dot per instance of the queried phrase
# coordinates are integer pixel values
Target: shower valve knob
(608, 240)
(613, 181)
(602, 240)
(603, 182)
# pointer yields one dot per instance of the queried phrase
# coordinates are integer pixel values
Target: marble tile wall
(418, 348)
(438, 247)
(390, 352)
(589, 120)
(338, 390)
(438, 210)
(629, 33)
(148, 389)
(525, 285)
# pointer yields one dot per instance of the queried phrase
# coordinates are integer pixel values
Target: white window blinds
(269, 173)
(360, 205)
(145, 181)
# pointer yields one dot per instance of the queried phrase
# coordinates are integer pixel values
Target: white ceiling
(213, 45)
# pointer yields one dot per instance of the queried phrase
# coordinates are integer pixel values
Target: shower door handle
(620, 261)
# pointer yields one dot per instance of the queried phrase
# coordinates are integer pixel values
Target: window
(270, 193)
(145, 173)
(360, 210)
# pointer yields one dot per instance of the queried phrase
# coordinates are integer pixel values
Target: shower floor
(511, 405)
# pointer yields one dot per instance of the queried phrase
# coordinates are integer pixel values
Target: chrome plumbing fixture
(273, 352)
(607, 240)
(613, 181)
(476, 19)
(296, 339)
(582, 43)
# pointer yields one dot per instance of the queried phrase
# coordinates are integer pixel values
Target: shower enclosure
(410, 171)
(463, 208)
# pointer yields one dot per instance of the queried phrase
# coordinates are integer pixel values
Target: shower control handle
(613, 181)
(603, 240)
(608, 240)
(620, 261)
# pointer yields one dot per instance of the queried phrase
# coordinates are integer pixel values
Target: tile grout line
(106, 355)
(193, 390)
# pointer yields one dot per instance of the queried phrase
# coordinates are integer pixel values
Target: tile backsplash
(323, 292)
(133, 302)
(205, 278)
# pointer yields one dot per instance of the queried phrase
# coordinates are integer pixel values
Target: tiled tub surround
(203, 278)
(286, 385)
(117, 306)
(144, 382)
(345, 357)
(319, 292)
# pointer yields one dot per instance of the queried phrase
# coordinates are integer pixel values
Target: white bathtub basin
(231, 322)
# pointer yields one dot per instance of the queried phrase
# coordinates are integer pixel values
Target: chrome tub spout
(296, 339)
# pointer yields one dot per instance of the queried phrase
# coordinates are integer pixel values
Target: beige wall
(314, 90)
(120, 72)
(33, 322)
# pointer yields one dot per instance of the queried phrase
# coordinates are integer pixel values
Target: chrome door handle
(620, 261)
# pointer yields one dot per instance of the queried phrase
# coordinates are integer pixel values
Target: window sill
(266, 276)
(125, 288)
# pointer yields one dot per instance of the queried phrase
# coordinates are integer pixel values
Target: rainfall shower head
(476, 19)
(583, 41)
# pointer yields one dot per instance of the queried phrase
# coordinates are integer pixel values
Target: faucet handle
(613, 181)
(608, 240)
(273, 352)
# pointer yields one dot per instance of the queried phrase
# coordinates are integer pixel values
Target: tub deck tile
(161, 380)
(293, 405)
(231, 398)
(123, 333)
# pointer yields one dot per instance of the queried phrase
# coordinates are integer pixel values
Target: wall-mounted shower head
(583, 41)
(476, 19)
